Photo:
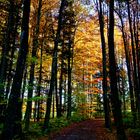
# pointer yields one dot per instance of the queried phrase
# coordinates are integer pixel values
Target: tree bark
(135, 72)
(54, 67)
(116, 104)
(129, 68)
(105, 98)
(32, 69)
(39, 85)
(12, 125)
(5, 50)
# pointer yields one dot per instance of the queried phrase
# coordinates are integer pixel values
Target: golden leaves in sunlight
(87, 54)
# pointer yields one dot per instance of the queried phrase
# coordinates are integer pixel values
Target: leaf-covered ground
(86, 130)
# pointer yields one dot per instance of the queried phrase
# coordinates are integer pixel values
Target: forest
(69, 62)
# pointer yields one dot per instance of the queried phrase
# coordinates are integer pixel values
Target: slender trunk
(61, 82)
(24, 84)
(65, 93)
(136, 38)
(35, 111)
(56, 95)
(10, 76)
(135, 76)
(53, 107)
(105, 98)
(39, 85)
(69, 83)
(32, 70)
(116, 105)
(54, 68)
(123, 95)
(129, 71)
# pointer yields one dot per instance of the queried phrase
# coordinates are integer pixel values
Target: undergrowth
(133, 129)
(55, 125)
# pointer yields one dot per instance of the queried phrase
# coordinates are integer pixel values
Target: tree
(7, 41)
(12, 126)
(134, 58)
(54, 67)
(128, 62)
(32, 69)
(116, 104)
(104, 63)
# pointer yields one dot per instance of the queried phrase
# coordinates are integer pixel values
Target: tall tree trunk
(39, 85)
(24, 83)
(116, 104)
(5, 51)
(53, 110)
(129, 68)
(56, 96)
(12, 125)
(105, 98)
(54, 67)
(61, 82)
(13, 49)
(136, 82)
(32, 69)
(136, 35)
(136, 38)
(69, 83)
(123, 95)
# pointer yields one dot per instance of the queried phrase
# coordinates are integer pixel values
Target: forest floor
(85, 130)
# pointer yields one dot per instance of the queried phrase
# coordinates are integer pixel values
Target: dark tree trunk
(53, 107)
(65, 93)
(61, 82)
(136, 83)
(136, 35)
(123, 95)
(54, 68)
(24, 83)
(5, 51)
(69, 83)
(116, 104)
(31, 85)
(60, 90)
(105, 98)
(56, 96)
(12, 125)
(137, 51)
(129, 68)
(136, 38)
(13, 49)
(39, 85)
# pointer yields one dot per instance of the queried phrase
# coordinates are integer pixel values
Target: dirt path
(81, 131)
(87, 130)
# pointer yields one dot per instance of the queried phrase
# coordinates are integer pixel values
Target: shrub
(77, 117)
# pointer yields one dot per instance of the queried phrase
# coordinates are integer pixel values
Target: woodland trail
(86, 130)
